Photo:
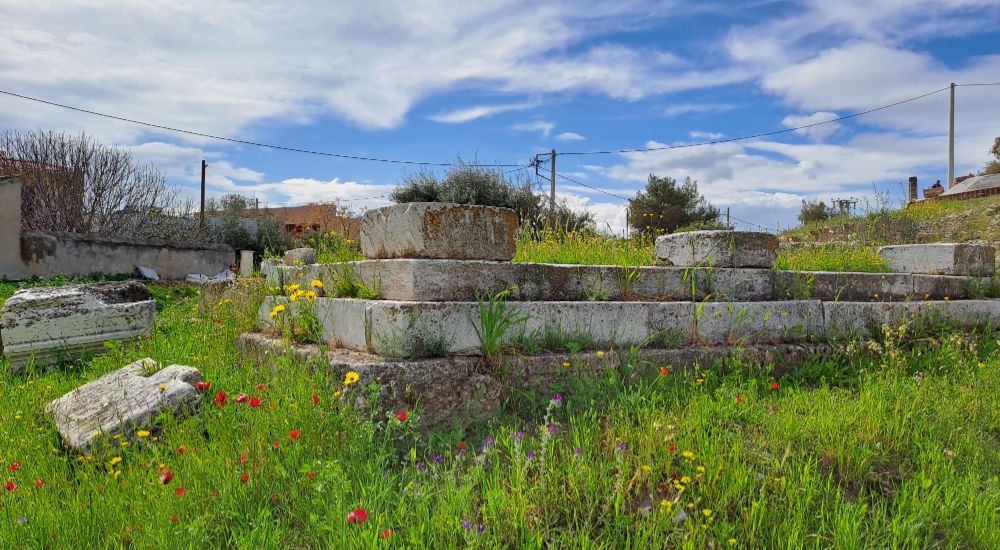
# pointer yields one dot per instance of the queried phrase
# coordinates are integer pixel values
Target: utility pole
(552, 192)
(951, 140)
(727, 219)
(201, 226)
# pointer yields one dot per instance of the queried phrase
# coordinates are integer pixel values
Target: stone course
(439, 230)
(122, 402)
(941, 258)
(718, 249)
(48, 325)
(300, 256)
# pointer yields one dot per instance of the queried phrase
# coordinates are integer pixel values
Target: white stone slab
(300, 256)
(64, 323)
(439, 230)
(718, 249)
(941, 258)
(123, 401)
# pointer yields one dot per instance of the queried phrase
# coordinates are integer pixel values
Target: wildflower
(142, 433)
(664, 371)
(385, 533)
(163, 388)
(688, 455)
(174, 518)
(276, 310)
(260, 387)
(39, 482)
(316, 283)
(732, 542)
(461, 445)
(294, 297)
(244, 478)
(166, 477)
(276, 444)
(180, 491)
(15, 466)
(310, 474)
(401, 416)
(566, 364)
(358, 515)
(254, 402)
(518, 436)
(350, 378)
(220, 399)
(774, 386)
(294, 434)
(672, 448)
(218, 322)
(10, 486)
(707, 513)
(202, 386)
(552, 428)
(578, 451)
(739, 398)
(315, 399)
(243, 458)
(115, 461)
(600, 354)
(242, 398)
(311, 296)
(181, 450)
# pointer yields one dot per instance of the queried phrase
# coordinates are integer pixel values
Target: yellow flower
(316, 283)
(114, 461)
(163, 387)
(688, 455)
(336, 394)
(732, 542)
(294, 297)
(142, 433)
(276, 310)
(685, 480)
(350, 378)
(566, 364)
(310, 296)
(707, 512)
(600, 354)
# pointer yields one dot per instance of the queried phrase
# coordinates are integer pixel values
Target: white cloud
(688, 108)
(542, 126)
(818, 127)
(469, 114)
(697, 134)
(570, 136)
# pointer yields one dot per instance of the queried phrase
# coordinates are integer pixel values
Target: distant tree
(233, 220)
(993, 165)
(666, 206)
(472, 184)
(815, 211)
(74, 184)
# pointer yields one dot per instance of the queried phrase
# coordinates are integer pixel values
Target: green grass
(897, 446)
(584, 248)
(831, 257)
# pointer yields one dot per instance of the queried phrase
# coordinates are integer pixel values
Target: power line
(762, 134)
(245, 142)
(979, 84)
(567, 178)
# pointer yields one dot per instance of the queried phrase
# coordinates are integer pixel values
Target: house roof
(975, 183)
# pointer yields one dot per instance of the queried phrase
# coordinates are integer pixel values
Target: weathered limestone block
(53, 324)
(941, 258)
(440, 230)
(123, 401)
(246, 263)
(718, 249)
(300, 256)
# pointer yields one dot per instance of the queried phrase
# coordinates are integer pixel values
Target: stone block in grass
(718, 249)
(941, 258)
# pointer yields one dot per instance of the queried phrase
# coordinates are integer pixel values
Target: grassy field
(896, 445)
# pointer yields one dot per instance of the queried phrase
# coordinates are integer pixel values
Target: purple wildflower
(552, 428)
(481, 529)
(438, 459)
(518, 436)
(466, 525)
(421, 466)
(531, 454)
(622, 446)
(578, 451)
(557, 398)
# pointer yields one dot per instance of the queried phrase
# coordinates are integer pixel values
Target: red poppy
(276, 444)
(664, 371)
(359, 515)
(244, 478)
(254, 402)
(294, 435)
(315, 399)
(10, 486)
(180, 491)
(385, 533)
(242, 398)
(166, 477)
(243, 457)
(181, 450)
(260, 387)
(218, 321)
(14, 466)
(461, 445)
(174, 518)
(310, 474)
(401, 416)
(739, 398)
(672, 448)
(39, 482)
(774, 386)
(202, 386)
(220, 399)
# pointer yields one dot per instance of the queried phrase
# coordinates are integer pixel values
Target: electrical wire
(567, 178)
(245, 142)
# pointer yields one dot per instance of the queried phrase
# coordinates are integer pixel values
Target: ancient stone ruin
(440, 265)
(49, 325)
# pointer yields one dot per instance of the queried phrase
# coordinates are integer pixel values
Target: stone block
(300, 256)
(758, 322)
(941, 258)
(439, 230)
(843, 286)
(246, 263)
(718, 249)
(865, 319)
(123, 401)
(57, 323)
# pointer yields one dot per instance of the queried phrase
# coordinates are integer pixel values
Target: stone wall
(35, 253)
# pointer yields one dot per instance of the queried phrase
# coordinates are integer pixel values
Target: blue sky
(501, 81)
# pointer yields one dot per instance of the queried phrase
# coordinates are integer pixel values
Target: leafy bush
(666, 206)
(815, 211)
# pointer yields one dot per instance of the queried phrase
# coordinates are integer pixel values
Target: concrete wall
(35, 253)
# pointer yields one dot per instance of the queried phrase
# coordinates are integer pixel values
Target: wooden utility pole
(201, 225)
(951, 140)
(552, 191)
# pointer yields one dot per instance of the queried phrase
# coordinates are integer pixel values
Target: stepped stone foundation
(718, 249)
(48, 325)
(941, 258)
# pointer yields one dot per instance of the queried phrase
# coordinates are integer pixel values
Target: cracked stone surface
(123, 401)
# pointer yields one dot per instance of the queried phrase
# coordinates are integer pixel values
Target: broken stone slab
(718, 249)
(300, 256)
(147, 273)
(440, 230)
(941, 258)
(123, 401)
(49, 325)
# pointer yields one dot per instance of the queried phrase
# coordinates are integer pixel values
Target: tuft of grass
(495, 320)
(831, 257)
(583, 247)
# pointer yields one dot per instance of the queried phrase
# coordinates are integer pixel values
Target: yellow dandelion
(115, 461)
(707, 513)
(600, 354)
(316, 283)
(142, 433)
(294, 297)
(350, 378)
(336, 394)
(311, 296)
(566, 364)
(163, 387)
(688, 455)
(276, 310)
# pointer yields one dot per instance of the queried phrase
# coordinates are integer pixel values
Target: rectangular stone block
(122, 402)
(439, 230)
(941, 258)
(759, 322)
(843, 286)
(64, 323)
(718, 249)
(865, 319)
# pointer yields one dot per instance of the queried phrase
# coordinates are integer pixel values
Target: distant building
(301, 220)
